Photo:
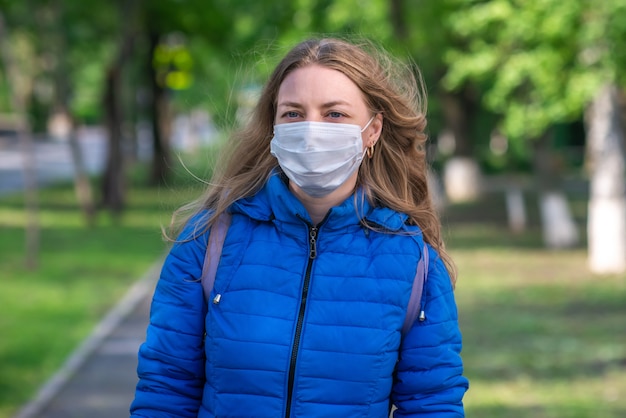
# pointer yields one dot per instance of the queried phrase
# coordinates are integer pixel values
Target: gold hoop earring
(370, 151)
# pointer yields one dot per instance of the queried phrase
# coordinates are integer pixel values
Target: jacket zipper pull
(422, 316)
(313, 242)
(217, 298)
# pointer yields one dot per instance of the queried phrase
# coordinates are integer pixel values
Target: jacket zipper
(313, 230)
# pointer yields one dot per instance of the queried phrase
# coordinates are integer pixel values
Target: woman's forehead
(318, 83)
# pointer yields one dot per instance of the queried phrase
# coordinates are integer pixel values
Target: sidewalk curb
(137, 292)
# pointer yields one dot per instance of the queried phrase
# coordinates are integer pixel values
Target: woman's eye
(335, 115)
(291, 114)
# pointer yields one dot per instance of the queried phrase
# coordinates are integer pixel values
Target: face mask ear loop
(368, 123)
(369, 150)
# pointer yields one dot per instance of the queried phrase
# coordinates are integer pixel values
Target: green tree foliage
(234, 46)
(538, 62)
(67, 37)
(227, 43)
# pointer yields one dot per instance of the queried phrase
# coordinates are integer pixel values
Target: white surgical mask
(318, 156)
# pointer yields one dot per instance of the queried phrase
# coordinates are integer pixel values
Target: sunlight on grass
(543, 338)
(586, 397)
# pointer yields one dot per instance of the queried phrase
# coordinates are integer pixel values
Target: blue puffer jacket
(308, 322)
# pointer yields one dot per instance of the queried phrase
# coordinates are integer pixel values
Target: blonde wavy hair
(395, 176)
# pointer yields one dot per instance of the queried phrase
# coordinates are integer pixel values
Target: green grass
(82, 272)
(543, 338)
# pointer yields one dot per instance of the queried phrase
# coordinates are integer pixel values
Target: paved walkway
(98, 380)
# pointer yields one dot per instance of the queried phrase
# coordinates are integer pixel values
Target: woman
(327, 194)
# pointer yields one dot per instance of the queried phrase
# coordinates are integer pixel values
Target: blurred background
(112, 111)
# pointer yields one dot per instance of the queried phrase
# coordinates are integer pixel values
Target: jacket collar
(275, 201)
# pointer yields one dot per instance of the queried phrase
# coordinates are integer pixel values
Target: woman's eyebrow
(290, 104)
(335, 103)
(325, 105)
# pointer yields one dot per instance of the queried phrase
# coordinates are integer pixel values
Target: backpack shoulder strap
(415, 301)
(215, 243)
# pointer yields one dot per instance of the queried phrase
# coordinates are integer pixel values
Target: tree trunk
(160, 118)
(515, 208)
(31, 197)
(113, 186)
(61, 126)
(20, 89)
(459, 112)
(82, 185)
(63, 114)
(558, 226)
(606, 224)
(461, 174)
(398, 17)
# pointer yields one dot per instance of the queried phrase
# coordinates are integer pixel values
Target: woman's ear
(374, 130)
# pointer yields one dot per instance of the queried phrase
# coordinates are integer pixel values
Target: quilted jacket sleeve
(171, 361)
(429, 376)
